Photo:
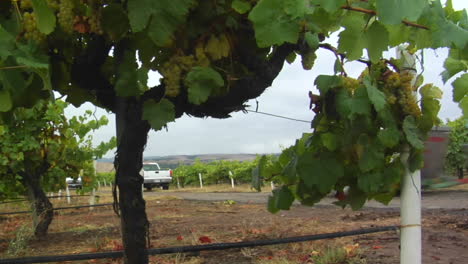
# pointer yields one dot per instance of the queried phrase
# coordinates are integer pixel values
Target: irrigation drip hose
(50, 197)
(59, 208)
(198, 248)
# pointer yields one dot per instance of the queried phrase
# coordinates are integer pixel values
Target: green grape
(202, 59)
(54, 4)
(350, 84)
(66, 16)
(173, 71)
(392, 81)
(217, 48)
(31, 32)
(26, 4)
(308, 59)
(406, 98)
(391, 99)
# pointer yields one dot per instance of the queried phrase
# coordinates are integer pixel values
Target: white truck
(155, 177)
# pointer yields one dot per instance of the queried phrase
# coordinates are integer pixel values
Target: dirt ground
(177, 222)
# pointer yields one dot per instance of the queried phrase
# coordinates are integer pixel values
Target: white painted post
(92, 199)
(232, 179)
(60, 194)
(201, 180)
(410, 208)
(68, 195)
(272, 185)
(178, 183)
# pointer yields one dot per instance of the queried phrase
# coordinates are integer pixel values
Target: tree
(456, 159)
(39, 148)
(213, 56)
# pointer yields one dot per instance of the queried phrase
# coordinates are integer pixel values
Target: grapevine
(360, 126)
(355, 130)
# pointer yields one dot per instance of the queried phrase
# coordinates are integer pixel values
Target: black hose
(217, 246)
(58, 208)
(50, 197)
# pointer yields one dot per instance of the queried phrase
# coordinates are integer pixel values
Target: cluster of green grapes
(350, 84)
(179, 65)
(308, 59)
(173, 71)
(217, 47)
(399, 89)
(95, 24)
(65, 15)
(54, 4)
(26, 4)
(31, 32)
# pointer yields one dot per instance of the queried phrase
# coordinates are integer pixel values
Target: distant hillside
(172, 162)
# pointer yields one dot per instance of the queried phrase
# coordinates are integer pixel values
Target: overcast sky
(255, 133)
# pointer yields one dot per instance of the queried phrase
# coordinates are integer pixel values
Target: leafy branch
(374, 13)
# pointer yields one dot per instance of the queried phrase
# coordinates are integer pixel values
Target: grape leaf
(370, 182)
(139, 13)
(331, 5)
(430, 91)
(258, 174)
(241, 6)
(158, 114)
(398, 34)
(290, 170)
(282, 198)
(377, 38)
(352, 40)
(394, 11)
(272, 205)
(128, 81)
(358, 104)
(376, 96)
(372, 158)
(412, 133)
(201, 82)
(114, 21)
(312, 39)
(460, 88)
(5, 101)
(45, 16)
(444, 33)
(273, 26)
(329, 140)
(322, 172)
(415, 161)
(165, 16)
(389, 137)
(325, 82)
(453, 66)
(464, 105)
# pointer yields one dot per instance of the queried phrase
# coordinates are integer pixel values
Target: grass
(19, 244)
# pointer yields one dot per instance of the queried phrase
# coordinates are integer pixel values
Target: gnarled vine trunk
(132, 134)
(42, 208)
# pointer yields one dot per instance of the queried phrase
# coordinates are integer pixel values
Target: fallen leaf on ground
(205, 239)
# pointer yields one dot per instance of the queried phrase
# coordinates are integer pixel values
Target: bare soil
(177, 222)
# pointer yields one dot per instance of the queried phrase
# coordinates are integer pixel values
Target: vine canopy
(215, 55)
